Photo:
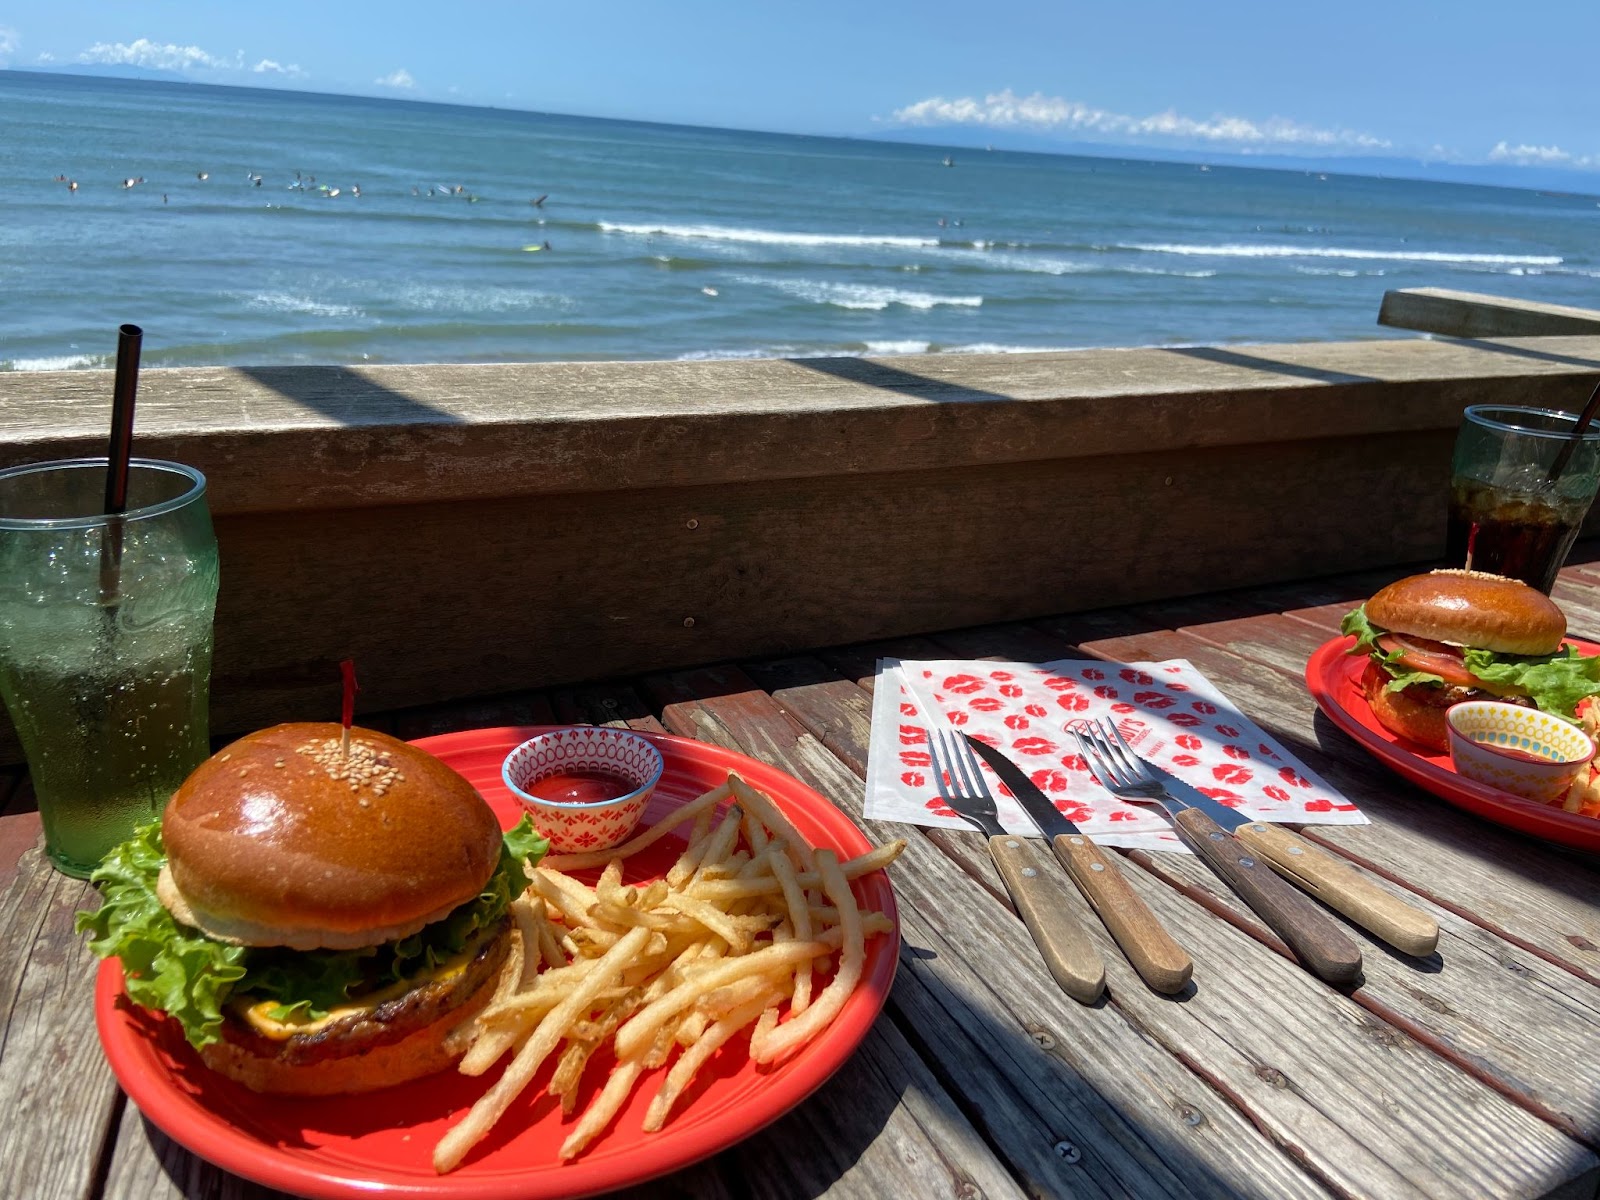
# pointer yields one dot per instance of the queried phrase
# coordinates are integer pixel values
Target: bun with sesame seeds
(282, 839)
(318, 921)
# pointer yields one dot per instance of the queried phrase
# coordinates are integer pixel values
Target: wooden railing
(471, 529)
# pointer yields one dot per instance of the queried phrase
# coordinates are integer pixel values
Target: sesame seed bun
(1471, 608)
(281, 840)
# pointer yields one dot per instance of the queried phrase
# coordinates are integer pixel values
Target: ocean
(330, 229)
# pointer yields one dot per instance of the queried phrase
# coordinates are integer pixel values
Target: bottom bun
(1418, 718)
(401, 1040)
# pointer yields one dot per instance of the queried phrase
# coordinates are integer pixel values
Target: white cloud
(45, 56)
(10, 41)
(267, 67)
(396, 79)
(1503, 152)
(1526, 154)
(1007, 110)
(161, 56)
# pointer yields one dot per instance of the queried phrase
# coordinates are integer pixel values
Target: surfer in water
(539, 203)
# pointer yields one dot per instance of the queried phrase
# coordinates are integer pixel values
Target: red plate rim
(1333, 674)
(142, 1069)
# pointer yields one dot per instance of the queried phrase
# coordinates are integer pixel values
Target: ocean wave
(1352, 273)
(1001, 348)
(863, 350)
(858, 295)
(56, 362)
(1162, 271)
(769, 237)
(289, 303)
(905, 347)
(471, 300)
(1239, 250)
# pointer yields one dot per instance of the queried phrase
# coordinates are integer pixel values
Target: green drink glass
(105, 643)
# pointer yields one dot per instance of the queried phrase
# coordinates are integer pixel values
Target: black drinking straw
(1564, 455)
(118, 452)
(122, 396)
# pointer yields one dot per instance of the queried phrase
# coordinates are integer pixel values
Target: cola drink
(1523, 535)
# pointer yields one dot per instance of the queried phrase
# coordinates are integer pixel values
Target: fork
(1041, 902)
(1316, 940)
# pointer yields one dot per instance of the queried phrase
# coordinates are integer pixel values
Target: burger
(317, 917)
(1438, 639)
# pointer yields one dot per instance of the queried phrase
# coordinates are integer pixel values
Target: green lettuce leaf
(1356, 622)
(168, 966)
(187, 975)
(1555, 682)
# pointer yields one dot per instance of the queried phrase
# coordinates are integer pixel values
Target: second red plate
(1334, 678)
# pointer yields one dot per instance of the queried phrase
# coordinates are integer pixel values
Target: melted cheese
(257, 1013)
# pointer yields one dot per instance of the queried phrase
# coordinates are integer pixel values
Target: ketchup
(580, 787)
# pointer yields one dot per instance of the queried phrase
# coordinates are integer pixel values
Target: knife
(1160, 961)
(1329, 878)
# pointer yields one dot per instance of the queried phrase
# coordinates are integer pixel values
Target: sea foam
(858, 295)
(59, 362)
(1237, 250)
(769, 237)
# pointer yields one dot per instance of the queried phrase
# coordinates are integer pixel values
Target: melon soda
(105, 644)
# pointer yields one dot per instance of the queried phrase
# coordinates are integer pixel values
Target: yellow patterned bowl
(1519, 750)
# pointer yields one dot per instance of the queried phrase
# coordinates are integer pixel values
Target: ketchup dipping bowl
(1519, 750)
(584, 787)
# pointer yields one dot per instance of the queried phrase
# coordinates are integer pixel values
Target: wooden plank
(1477, 315)
(1355, 1124)
(56, 1090)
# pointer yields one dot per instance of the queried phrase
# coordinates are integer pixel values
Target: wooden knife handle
(1325, 949)
(1160, 961)
(1042, 902)
(1343, 888)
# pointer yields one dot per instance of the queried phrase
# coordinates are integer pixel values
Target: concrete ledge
(465, 530)
(1475, 315)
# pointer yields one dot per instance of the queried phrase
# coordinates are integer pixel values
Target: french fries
(665, 973)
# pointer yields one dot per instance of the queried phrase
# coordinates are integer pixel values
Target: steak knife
(1329, 878)
(1160, 961)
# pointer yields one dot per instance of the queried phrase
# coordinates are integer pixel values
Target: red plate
(1334, 677)
(382, 1143)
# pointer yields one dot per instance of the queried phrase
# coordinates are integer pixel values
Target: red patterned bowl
(585, 787)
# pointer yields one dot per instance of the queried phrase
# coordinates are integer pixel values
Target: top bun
(280, 840)
(1471, 608)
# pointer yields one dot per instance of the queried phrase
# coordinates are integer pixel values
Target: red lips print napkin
(1168, 712)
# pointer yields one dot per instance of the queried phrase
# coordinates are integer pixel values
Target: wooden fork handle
(1160, 961)
(1042, 901)
(1325, 949)
(1340, 886)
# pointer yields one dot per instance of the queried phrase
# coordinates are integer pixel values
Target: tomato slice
(1436, 658)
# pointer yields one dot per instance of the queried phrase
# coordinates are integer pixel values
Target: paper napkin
(1168, 711)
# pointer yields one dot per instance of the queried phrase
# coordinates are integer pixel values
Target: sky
(1472, 81)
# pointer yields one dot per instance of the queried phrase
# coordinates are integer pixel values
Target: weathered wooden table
(1474, 1073)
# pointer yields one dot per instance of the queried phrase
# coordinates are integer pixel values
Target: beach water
(662, 242)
